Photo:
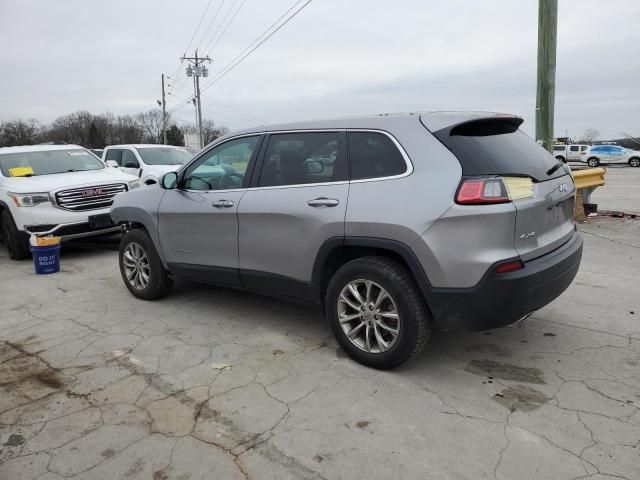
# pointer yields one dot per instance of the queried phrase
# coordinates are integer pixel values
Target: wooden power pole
(198, 70)
(164, 114)
(546, 84)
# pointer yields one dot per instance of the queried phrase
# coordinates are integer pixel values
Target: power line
(245, 117)
(234, 63)
(210, 24)
(220, 113)
(196, 30)
(225, 28)
(238, 113)
(181, 104)
(176, 75)
(208, 48)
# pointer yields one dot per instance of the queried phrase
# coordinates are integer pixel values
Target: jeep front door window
(222, 168)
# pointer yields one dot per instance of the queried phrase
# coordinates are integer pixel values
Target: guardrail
(589, 178)
(586, 180)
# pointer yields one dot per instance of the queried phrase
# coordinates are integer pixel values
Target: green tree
(175, 136)
(96, 140)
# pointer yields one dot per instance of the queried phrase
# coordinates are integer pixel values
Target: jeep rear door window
(302, 158)
(221, 168)
(495, 146)
(373, 155)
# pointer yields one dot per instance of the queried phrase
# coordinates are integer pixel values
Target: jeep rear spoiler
(469, 121)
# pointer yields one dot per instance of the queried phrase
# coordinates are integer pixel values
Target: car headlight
(29, 199)
(134, 184)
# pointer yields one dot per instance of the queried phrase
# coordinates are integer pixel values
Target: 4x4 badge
(562, 187)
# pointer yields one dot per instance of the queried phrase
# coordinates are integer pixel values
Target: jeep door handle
(222, 204)
(323, 202)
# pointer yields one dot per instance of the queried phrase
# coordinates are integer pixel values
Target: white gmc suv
(61, 190)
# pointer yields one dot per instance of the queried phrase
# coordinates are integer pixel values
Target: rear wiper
(555, 167)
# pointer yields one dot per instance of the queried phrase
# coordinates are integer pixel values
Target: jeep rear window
(495, 146)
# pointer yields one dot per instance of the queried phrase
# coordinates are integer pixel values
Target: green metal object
(546, 84)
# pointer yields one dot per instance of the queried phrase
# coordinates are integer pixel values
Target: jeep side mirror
(169, 181)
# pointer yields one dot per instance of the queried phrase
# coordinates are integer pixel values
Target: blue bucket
(46, 259)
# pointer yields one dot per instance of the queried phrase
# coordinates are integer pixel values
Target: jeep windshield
(164, 155)
(47, 162)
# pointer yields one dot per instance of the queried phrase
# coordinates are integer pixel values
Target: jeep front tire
(141, 268)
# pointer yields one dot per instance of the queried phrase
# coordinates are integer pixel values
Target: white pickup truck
(61, 190)
(575, 152)
(146, 161)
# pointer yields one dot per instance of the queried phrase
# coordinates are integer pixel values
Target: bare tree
(126, 130)
(590, 135)
(210, 131)
(151, 124)
(71, 128)
(20, 132)
(89, 130)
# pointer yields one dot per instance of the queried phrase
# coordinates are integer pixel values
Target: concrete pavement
(622, 190)
(211, 383)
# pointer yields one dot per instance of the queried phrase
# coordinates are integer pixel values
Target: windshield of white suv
(47, 162)
(164, 155)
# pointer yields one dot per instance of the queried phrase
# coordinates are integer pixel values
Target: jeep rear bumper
(502, 299)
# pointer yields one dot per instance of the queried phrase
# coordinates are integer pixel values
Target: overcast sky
(335, 58)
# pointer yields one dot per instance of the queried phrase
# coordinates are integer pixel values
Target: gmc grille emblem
(92, 192)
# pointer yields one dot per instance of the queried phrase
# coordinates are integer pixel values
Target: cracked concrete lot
(211, 383)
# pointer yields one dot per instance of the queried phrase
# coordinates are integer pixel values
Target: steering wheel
(230, 180)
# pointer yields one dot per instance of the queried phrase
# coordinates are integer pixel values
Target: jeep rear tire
(376, 312)
(17, 242)
(141, 268)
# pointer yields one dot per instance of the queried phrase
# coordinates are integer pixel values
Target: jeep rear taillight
(491, 190)
(482, 191)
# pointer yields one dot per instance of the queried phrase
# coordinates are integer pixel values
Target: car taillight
(482, 191)
(491, 190)
(583, 153)
(509, 266)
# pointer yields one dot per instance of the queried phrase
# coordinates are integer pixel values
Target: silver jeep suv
(397, 224)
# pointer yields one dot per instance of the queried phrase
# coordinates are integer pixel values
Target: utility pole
(198, 70)
(546, 84)
(164, 114)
